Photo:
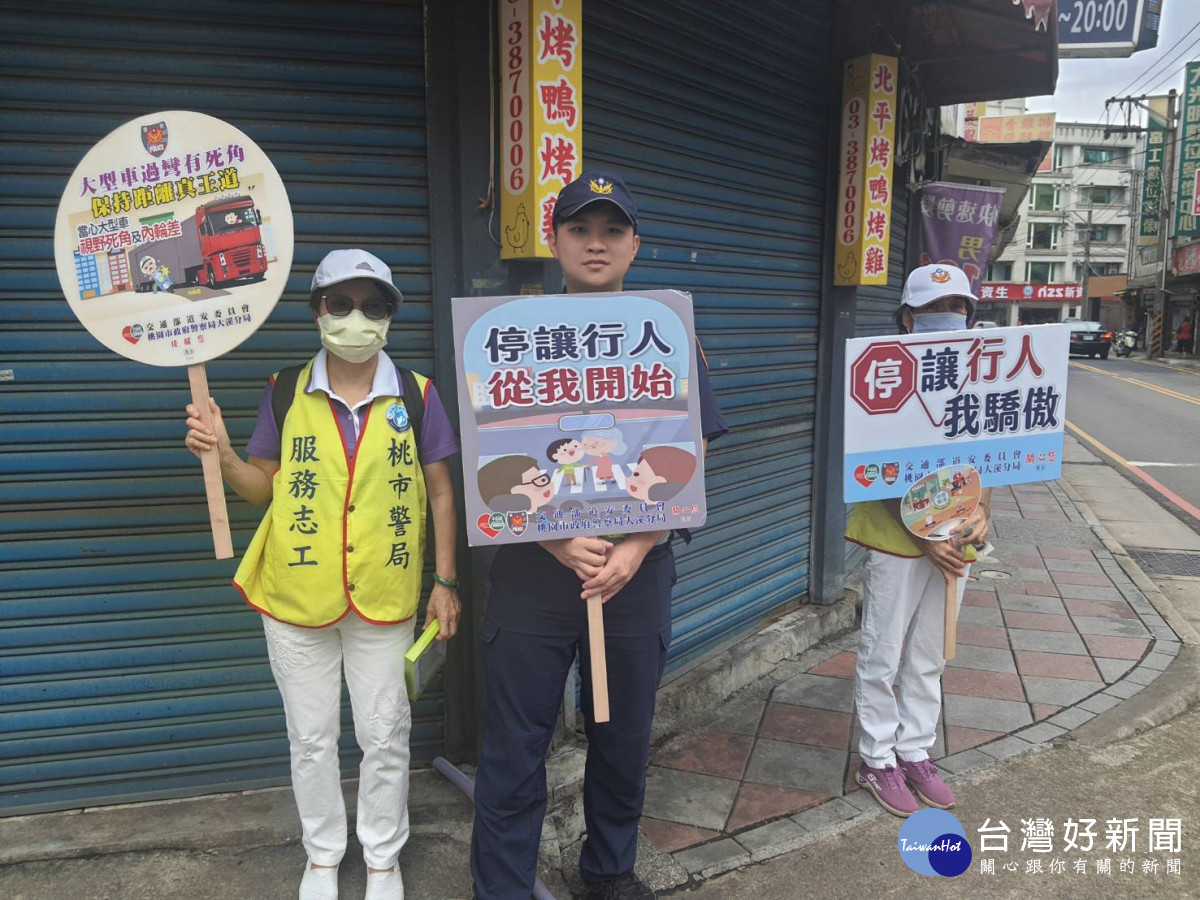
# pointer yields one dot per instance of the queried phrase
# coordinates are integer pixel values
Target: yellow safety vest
(874, 527)
(341, 533)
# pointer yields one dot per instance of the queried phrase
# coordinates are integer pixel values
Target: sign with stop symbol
(883, 378)
(993, 399)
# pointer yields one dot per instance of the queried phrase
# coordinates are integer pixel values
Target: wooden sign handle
(214, 486)
(595, 608)
(949, 645)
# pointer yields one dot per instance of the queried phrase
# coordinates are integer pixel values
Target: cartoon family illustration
(516, 483)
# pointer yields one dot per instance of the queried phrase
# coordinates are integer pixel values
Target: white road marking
(1164, 465)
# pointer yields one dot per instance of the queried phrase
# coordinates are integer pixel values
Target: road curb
(1137, 575)
(1167, 697)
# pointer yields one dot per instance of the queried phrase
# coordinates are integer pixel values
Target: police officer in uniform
(536, 622)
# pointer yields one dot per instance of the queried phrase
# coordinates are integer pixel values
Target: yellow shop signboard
(541, 117)
(864, 206)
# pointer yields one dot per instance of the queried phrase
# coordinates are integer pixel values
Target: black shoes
(624, 887)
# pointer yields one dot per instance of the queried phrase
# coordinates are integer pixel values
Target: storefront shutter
(719, 121)
(129, 667)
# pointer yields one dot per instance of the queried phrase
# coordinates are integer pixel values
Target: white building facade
(1081, 208)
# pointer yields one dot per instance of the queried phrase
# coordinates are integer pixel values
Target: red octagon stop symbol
(883, 378)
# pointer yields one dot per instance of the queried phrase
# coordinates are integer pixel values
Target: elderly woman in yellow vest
(347, 455)
(904, 599)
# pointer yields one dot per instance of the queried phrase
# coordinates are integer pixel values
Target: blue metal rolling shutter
(129, 667)
(717, 115)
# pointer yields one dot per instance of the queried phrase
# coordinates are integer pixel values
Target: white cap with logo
(931, 283)
(345, 265)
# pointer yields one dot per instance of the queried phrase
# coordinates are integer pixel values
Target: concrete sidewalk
(1062, 637)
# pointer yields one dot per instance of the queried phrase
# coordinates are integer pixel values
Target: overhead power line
(1168, 79)
(1154, 65)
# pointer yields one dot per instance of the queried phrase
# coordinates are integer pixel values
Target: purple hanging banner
(958, 226)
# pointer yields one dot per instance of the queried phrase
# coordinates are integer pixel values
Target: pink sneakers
(928, 783)
(888, 787)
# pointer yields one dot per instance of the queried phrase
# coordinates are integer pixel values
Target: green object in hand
(423, 659)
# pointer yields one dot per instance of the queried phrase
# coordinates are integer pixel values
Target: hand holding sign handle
(931, 509)
(214, 486)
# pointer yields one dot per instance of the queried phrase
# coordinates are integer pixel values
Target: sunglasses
(541, 481)
(373, 307)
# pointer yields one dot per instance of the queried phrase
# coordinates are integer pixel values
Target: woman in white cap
(346, 450)
(904, 599)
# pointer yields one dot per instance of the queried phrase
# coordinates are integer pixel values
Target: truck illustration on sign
(220, 244)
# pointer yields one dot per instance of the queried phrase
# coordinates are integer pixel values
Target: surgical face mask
(353, 337)
(938, 321)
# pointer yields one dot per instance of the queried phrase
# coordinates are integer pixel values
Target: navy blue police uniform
(534, 625)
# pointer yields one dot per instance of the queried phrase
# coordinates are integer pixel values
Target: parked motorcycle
(1124, 342)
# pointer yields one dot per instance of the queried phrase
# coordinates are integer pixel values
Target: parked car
(984, 323)
(1090, 339)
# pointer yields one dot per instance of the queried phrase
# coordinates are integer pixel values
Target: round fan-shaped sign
(174, 239)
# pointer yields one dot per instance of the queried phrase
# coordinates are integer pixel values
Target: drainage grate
(1162, 562)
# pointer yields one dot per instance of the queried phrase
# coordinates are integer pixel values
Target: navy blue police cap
(595, 187)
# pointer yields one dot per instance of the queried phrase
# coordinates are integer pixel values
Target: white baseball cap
(345, 265)
(931, 283)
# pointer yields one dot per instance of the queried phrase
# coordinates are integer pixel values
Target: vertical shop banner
(1152, 181)
(173, 239)
(958, 226)
(541, 117)
(1187, 223)
(917, 403)
(869, 106)
(579, 415)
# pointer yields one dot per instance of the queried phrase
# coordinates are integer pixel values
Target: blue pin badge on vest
(397, 417)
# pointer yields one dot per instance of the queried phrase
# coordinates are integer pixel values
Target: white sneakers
(319, 884)
(322, 884)
(385, 885)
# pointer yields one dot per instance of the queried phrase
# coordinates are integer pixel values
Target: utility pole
(1135, 209)
(1093, 313)
(1157, 315)
(1155, 326)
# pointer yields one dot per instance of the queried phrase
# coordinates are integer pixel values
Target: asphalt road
(1144, 418)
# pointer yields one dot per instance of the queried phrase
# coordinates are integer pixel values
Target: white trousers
(903, 624)
(307, 664)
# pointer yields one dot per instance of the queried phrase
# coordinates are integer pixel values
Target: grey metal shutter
(717, 115)
(129, 667)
